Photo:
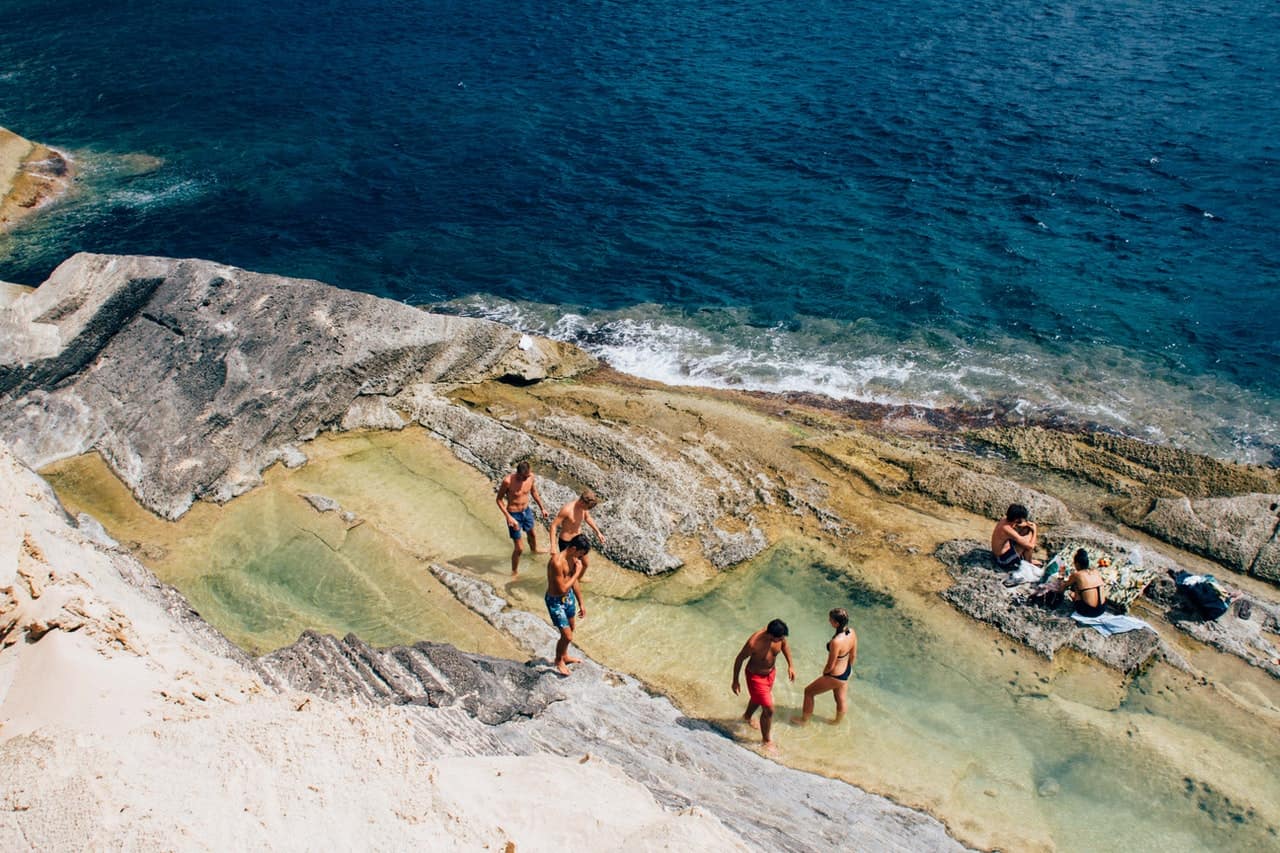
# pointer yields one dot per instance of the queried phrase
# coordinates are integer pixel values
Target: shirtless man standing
(569, 520)
(760, 651)
(563, 598)
(513, 500)
(1014, 538)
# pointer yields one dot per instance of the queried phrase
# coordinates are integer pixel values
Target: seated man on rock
(1014, 538)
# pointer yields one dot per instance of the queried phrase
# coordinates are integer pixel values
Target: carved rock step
(491, 689)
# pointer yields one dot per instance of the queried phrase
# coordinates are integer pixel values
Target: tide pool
(1011, 750)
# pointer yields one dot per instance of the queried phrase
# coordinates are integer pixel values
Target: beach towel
(1025, 573)
(1111, 623)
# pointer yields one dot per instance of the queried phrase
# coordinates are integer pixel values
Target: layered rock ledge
(114, 690)
(191, 378)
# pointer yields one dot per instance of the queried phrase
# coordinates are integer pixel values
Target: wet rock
(320, 503)
(41, 175)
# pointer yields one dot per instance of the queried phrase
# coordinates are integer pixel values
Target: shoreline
(700, 481)
(32, 177)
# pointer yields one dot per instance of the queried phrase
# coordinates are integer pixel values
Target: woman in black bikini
(1086, 586)
(842, 651)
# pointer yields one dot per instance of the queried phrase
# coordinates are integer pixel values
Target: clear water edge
(1011, 750)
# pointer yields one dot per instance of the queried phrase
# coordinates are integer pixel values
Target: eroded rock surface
(192, 377)
(979, 591)
(1242, 532)
(474, 705)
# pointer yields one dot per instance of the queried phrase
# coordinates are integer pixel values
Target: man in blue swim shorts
(564, 570)
(513, 499)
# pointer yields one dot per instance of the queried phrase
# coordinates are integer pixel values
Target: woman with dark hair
(842, 651)
(1086, 587)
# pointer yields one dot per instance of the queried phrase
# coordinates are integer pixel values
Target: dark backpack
(1209, 599)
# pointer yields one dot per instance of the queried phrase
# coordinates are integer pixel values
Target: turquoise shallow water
(1061, 211)
(981, 734)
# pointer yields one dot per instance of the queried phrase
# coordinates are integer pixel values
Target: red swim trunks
(760, 688)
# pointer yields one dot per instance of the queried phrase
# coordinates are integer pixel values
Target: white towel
(1025, 573)
(1111, 623)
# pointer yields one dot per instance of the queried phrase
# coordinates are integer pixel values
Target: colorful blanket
(1125, 574)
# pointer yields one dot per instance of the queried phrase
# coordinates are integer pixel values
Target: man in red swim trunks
(760, 651)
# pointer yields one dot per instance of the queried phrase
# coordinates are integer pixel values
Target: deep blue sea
(1060, 209)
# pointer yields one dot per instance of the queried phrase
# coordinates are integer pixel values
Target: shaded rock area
(979, 591)
(463, 704)
(191, 377)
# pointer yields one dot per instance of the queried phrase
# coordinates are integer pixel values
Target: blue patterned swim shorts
(562, 608)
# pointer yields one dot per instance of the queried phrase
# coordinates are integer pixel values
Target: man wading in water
(564, 570)
(513, 500)
(569, 520)
(760, 651)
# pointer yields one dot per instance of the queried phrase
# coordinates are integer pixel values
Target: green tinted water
(1011, 750)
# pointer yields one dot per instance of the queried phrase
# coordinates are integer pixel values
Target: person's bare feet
(771, 747)
(751, 721)
(572, 660)
(562, 669)
(799, 719)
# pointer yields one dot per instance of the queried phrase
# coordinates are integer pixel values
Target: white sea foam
(180, 190)
(1019, 378)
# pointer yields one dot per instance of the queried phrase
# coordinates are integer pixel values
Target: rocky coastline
(191, 378)
(31, 177)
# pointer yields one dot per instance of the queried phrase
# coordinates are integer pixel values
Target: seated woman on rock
(1086, 587)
